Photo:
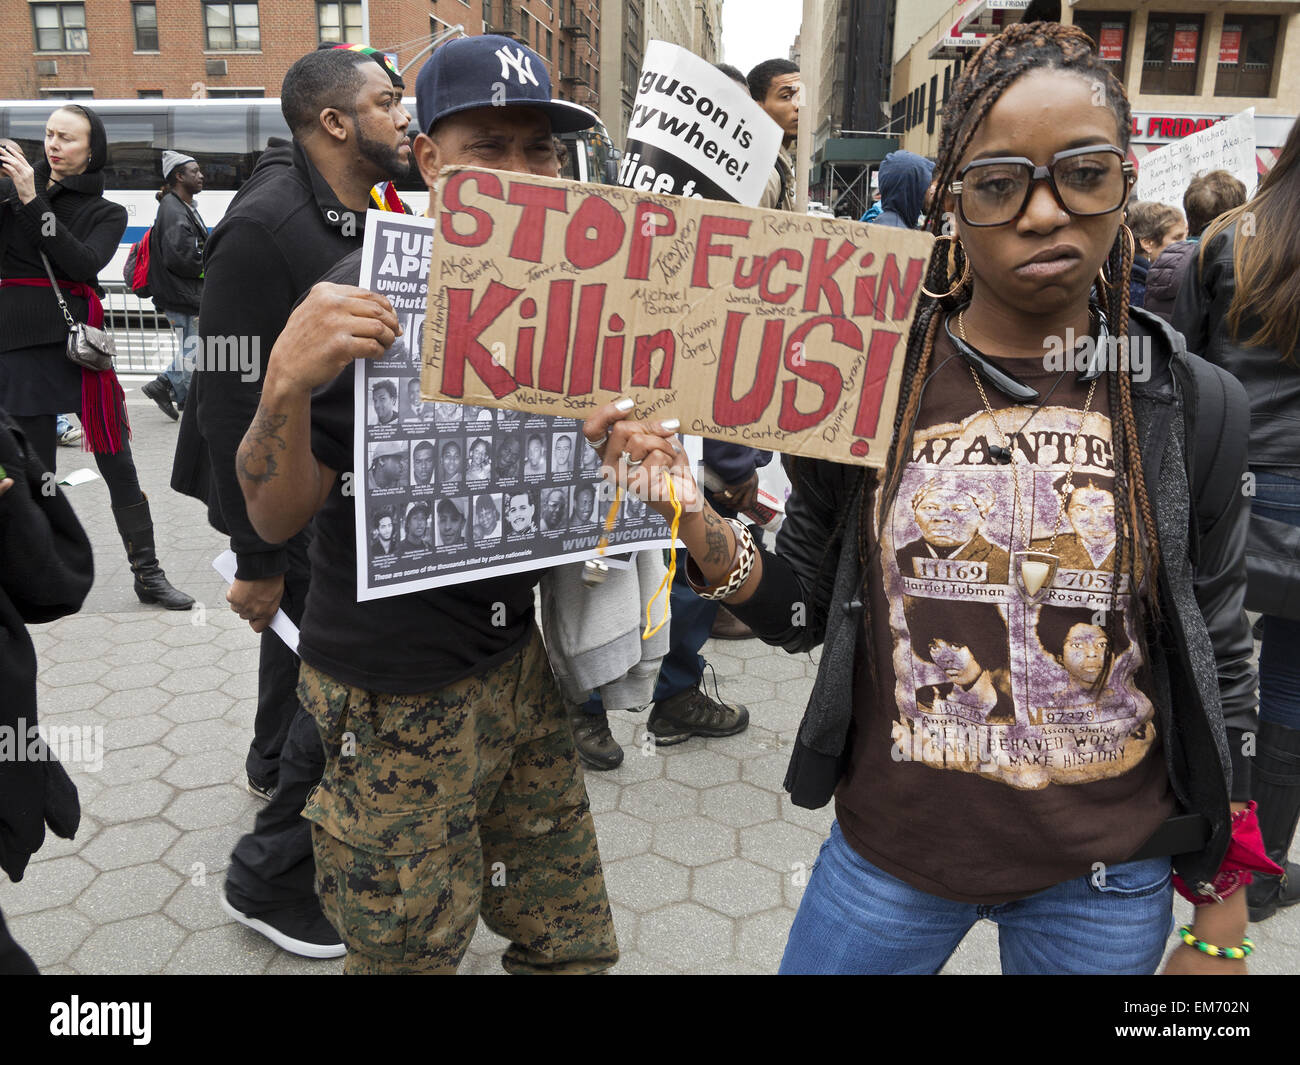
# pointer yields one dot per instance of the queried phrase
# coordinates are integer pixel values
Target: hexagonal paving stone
(738, 805)
(780, 846)
(134, 732)
(51, 936)
(641, 761)
(130, 802)
(204, 654)
(134, 654)
(139, 945)
(133, 843)
(621, 836)
(130, 892)
(206, 853)
(187, 635)
(66, 674)
(701, 768)
(134, 703)
(208, 807)
(655, 800)
(139, 675)
(686, 936)
(47, 885)
(143, 629)
(241, 686)
(205, 770)
(199, 706)
(92, 648)
(69, 699)
(760, 939)
(134, 764)
(694, 841)
(767, 770)
(195, 680)
(197, 906)
(198, 736)
(602, 792)
(645, 882)
(227, 950)
(736, 887)
(240, 661)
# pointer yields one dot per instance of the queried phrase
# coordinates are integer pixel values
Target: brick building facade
(191, 48)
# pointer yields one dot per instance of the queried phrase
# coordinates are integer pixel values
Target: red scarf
(103, 410)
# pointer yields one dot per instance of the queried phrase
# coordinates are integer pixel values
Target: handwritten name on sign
(772, 329)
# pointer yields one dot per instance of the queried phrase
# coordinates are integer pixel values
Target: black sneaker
(597, 748)
(692, 713)
(300, 928)
(261, 791)
(160, 391)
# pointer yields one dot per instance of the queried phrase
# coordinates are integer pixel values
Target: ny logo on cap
(521, 63)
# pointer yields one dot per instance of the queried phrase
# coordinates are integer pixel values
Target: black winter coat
(84, 236)
(282, 232)
(46, 569)
(176, 256)
(1165, 277)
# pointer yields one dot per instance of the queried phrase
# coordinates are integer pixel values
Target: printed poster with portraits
(1027, 689)
(451, 492)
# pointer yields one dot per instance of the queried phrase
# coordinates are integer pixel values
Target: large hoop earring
(1126, 235)
(961, 281)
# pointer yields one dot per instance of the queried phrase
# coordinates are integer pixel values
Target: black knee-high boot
(135, 525)
(1277, 790)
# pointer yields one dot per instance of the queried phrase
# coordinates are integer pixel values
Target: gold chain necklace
(1037, 568)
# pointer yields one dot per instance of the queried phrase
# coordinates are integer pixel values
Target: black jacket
(84, 237)
(283, 230)
(46, 569)
(1165, 277)
(1200, 655)
(1201, 313)
(176, 256)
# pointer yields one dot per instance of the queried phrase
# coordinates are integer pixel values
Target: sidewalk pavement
(705, 858)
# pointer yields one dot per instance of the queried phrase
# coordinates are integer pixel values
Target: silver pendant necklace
(1034, 570)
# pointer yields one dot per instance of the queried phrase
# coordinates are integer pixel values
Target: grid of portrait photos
(453, 492)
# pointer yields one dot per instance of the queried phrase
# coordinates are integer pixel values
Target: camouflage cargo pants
(439, 807)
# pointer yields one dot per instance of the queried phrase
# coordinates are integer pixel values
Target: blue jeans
(1278, 497)
(855, 918)
(182, 368)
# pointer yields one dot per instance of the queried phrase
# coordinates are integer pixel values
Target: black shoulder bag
(88, 347)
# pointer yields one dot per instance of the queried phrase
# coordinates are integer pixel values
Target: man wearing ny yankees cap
(452, 787)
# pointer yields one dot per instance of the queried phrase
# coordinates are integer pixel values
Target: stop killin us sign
(775, 330)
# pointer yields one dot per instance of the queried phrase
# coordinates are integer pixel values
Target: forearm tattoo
(262, 442)
(715, 536)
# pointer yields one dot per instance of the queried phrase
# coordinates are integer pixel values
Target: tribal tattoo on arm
(261, 444)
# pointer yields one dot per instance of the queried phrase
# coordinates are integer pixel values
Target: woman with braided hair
(1058, 827)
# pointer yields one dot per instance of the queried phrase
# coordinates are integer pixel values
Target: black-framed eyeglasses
(1087, 181)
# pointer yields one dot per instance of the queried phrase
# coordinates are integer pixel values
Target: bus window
(135, 144)
(27, 127)
(269, 122)
(217, 137)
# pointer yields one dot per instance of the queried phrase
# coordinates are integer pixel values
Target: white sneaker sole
(293, 946)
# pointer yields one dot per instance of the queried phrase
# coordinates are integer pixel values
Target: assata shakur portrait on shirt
(987, 681)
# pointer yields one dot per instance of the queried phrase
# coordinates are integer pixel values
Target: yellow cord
(667, 582)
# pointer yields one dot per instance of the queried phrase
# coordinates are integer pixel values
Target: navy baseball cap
(491, 71)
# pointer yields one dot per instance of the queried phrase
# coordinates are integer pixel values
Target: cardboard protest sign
(450, 492)
(766, 328)
(695, 132)
(1164, 174)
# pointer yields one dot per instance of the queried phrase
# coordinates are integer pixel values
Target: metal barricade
(146, 343)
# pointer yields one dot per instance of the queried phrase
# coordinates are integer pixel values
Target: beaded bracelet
(742, 564)
(1234, 953)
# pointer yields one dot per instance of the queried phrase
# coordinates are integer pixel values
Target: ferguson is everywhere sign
(771, 329)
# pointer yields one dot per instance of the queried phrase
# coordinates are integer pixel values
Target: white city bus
(226, 137)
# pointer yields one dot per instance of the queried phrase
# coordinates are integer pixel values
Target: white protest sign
(1164, 174)
(695, 132)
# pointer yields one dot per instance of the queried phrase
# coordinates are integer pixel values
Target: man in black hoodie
(300, 212)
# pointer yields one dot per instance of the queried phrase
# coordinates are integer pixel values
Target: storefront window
(1171, 61)
(1109, 30)
(1246, 52)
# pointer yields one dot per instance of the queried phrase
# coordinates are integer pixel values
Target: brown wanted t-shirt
(985, 768)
